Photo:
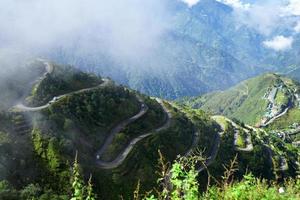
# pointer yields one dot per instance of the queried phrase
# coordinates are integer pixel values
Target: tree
(80, 191)
(90, 193)
(77, 184)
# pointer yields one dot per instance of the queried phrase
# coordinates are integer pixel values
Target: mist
(266, 16)
(126, 29)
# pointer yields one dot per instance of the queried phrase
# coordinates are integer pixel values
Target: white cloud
(191, 3)
(294, 7)
(279, 43)
(265, 16)
(127, 29)
(235, 4)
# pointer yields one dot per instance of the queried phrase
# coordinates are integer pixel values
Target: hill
(117, 133)
(257, 101)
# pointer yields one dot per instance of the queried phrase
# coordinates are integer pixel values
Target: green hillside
(117, 133)
(252, 100)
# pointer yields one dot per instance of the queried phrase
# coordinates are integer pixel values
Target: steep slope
(117, 133)
(271, 103)
(110, 126)
(256, 101)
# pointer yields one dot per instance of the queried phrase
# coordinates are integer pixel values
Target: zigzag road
(215, 149)
(49, 69)
(144, 108)
(122, 156)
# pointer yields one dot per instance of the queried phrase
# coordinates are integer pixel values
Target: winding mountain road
(49, 69)
(144, 108)
(214, 151)
(22, 107)
(274, 118)
(249, 145)
(194, 144)
(283, 164)
(217, 143)
(122, 156)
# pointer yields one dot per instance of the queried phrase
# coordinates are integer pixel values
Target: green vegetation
(247, 101)
(292, 116)
(244, 101)
(183, 184)
(63, 80)
(241, 141)
(205, 126)
(154, 118)
(142, 161)
(282, 98)
(37, 148)
(80, 191)
(103, 107)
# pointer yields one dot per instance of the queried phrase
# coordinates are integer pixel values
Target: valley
(150, 100)
(117, 132)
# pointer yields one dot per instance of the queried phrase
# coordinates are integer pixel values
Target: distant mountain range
(205, 49)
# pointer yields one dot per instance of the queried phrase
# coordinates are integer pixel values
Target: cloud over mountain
(126, 28)
(191, 3)
(279, 43)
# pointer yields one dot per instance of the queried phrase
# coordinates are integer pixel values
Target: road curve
(194, 144)
(21, 107)
(121, 157)
(283, 164)
(143, 109)
(215, 148)
(213, 153)
(249, 146)
(274, 118)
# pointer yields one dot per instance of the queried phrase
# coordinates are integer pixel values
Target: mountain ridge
(46, 139)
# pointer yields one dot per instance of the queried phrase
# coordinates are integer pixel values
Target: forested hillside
(117, 134)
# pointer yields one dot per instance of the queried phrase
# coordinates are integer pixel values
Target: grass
(282, 98)
(292, 116)
(240, 141)
(244, 101)
(221, 120)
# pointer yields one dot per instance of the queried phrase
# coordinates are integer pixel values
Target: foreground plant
(179, 182)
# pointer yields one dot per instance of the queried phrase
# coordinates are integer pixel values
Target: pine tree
(90, 194)
(77, 184)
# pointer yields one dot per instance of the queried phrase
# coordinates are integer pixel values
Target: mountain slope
(81, 119)
(203, 50)
(116, 133)
(253, 101)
